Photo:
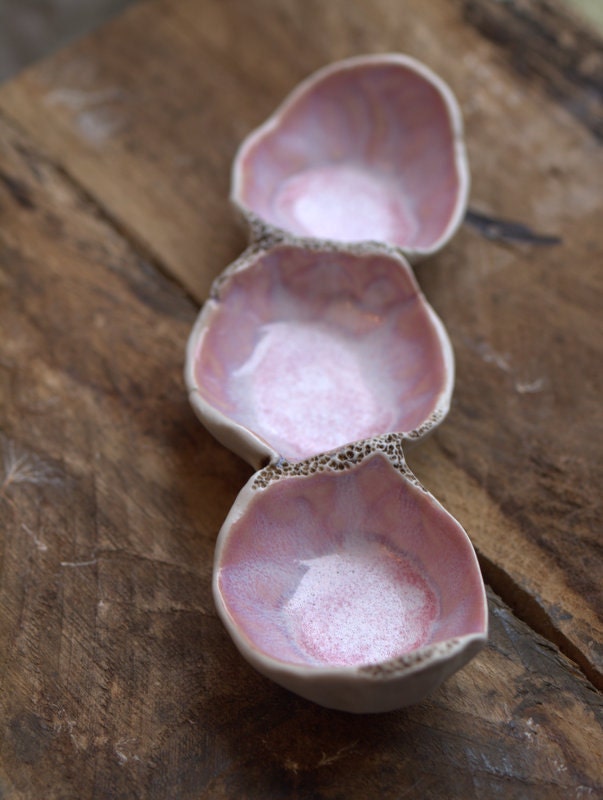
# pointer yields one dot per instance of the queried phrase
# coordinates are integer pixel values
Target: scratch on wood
(490, 356)
(38, 542)
(325, 760)
(412, 788)
(19, 466)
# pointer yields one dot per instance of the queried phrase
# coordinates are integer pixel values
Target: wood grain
(547, 44)
(146, 115)
(118, 680)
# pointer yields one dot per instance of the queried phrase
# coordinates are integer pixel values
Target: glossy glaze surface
(342, 569)
(309, 349)
(366, 149)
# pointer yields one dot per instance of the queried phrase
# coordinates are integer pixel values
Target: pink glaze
(310, 350)
(368, 149)
(345, 203)
(353, 567)
(298, 377)
(361, 606)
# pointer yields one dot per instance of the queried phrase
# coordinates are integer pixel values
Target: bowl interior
(311, 350)
(348, 568)
(366, 152)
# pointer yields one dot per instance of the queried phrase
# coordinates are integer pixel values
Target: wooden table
(117, 678)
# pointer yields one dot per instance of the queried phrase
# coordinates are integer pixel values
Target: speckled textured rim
(240, 439)
(261, 231)
(403, 680)
(362, 688)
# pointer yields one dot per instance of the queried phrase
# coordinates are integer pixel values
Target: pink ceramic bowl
(343, 580)
(300, 350)
(367, 149)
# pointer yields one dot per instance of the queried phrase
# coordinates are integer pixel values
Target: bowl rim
(248, 444)
(405, 665)
(260, 228)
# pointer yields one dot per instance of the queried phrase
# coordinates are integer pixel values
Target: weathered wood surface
(146, 117)
(116, 678)
(545, 44)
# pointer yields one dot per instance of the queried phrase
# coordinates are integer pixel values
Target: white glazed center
(360, 607)
(305, 391)
(345, 203)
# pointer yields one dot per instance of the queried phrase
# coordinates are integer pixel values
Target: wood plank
(166, 94)
(118, 680)
(146, 116)
(546, 42)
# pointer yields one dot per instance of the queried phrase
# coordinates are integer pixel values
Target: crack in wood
(505, 230)
(527, 608)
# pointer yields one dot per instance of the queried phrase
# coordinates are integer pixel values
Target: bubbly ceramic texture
(345, 569)
(367, 149)
(310, 349)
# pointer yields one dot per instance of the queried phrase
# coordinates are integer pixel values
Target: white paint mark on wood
(79, 563)
(97, 118)
(490, 356)
(503, 362)
(530, 387)
(325, 760)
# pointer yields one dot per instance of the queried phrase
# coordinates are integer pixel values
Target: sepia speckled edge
(369, 688)
(407, 679)
(240, 439)
(264, 233)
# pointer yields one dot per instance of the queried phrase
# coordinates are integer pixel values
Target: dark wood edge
(547, 43)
